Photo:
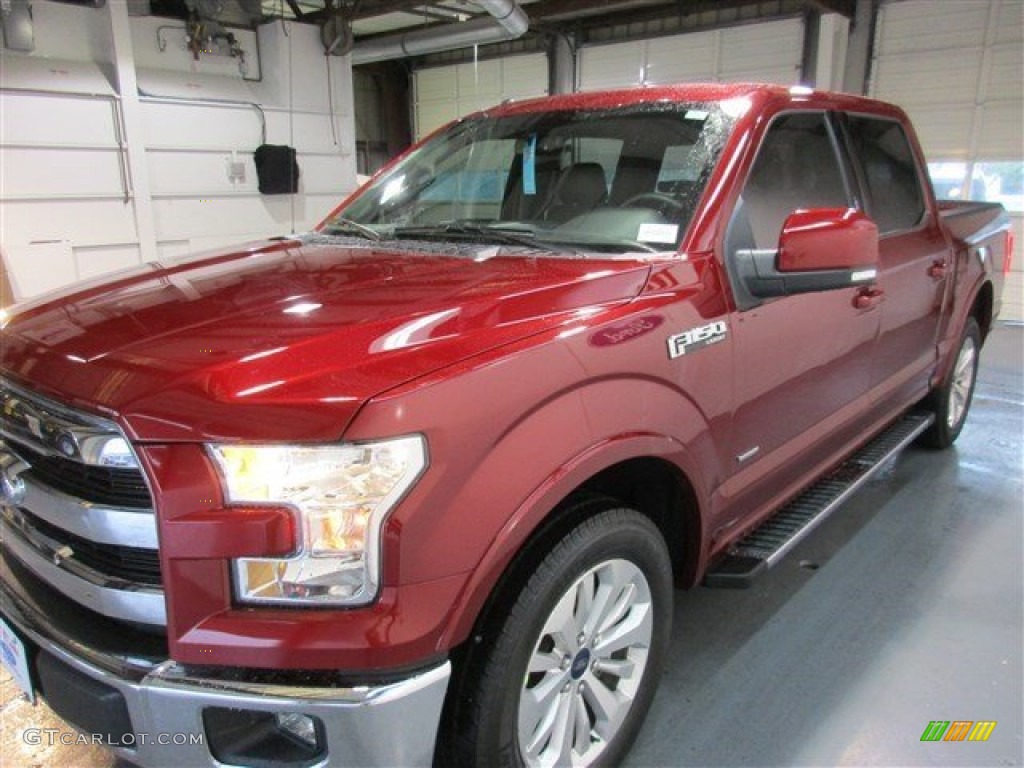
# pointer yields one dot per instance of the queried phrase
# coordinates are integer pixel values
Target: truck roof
(759, 94)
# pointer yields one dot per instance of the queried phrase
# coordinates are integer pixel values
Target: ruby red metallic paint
(527, 376)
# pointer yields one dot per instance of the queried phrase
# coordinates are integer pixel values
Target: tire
(573, 666)
(952, 401)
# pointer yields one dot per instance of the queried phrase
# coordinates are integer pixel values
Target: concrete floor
(903, 608)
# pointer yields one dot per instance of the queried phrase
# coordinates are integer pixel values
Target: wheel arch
(643, 472)
(982, 308)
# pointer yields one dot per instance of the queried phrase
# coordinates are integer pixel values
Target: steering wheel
(663, 204)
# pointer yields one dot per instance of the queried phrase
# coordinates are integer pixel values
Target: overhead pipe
(508, 21)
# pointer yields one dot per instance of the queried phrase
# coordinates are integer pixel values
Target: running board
(768, 543)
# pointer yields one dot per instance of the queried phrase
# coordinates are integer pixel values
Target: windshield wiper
(487, 232)
(353, 228)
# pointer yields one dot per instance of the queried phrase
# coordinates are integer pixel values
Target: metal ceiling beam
(507, 22)
(571, 10)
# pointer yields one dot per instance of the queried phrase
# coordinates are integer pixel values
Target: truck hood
(284, 340)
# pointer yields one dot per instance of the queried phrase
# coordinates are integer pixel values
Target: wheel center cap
(580, 664)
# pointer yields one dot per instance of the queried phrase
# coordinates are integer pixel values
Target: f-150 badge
(696, 338)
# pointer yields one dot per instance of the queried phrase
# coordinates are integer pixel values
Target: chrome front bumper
(392, 724)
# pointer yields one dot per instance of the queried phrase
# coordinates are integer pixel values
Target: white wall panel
(763, 52)
(54, 146)
(93, 262)
(28, 119)
(445, 93)
(193, 125)
(39, 267)
(237, 217)
(33, 172)
(83, 222)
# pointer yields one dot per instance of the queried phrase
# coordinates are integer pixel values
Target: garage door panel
(1010, 23)
(435, 84)
(483, 80)
(666, 63)
(434, 114)
(928, 26)
(1002, 135)
(780, 75)
(445, 93)
(756, 46)
(761, 52)
(944, 131)
(524, 76)
(956, 66)
(1007, 67)
(611, 66)
(923, 78)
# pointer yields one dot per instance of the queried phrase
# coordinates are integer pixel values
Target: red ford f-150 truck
(418, 486)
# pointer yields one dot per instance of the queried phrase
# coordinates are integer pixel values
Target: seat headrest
(582, 184)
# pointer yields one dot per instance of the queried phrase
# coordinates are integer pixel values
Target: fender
(532, 513)
(948, 347)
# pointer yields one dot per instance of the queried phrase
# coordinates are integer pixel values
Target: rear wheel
(952, 401)
(574, 664)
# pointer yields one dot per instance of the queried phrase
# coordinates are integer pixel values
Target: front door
(802, 361)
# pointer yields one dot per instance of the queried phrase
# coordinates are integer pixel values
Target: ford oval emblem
(12, 487)
(625, 331)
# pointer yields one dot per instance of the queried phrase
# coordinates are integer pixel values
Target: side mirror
(822, 249)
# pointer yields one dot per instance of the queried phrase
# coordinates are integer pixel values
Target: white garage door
(445, 93)
(957, 68)
(766, 52)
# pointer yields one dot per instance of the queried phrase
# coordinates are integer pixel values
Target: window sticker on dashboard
(696, 338)
(652, 232)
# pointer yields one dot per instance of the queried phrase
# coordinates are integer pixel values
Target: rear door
(914, 269)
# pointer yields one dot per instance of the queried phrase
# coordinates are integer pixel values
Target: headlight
(341, 493)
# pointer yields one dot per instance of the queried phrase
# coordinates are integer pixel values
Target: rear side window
(890, 172)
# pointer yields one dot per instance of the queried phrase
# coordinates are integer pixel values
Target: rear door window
(895, 198)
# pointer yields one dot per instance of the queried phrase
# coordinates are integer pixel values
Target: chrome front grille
(109, 486)
(76, 509)
(131, 565)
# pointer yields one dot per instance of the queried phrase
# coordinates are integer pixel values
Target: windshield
(614, 180)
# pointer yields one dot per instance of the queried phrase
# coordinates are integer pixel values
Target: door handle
(867, 298)
(938, 269)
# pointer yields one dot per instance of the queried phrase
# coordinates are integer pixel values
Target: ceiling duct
(508, 21)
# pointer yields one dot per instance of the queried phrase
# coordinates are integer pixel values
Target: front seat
(580, 188)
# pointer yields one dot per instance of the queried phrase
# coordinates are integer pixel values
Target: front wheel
(952, 400)
(574, 664)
